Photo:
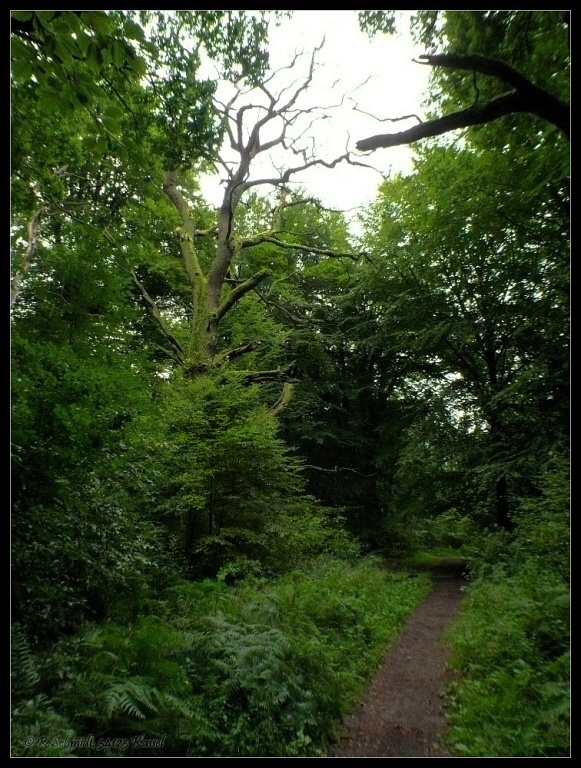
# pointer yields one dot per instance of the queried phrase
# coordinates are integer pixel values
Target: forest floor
(402, 712)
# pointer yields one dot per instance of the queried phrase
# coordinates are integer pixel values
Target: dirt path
(402, 712)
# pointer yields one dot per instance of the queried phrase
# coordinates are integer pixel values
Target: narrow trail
(402, 711)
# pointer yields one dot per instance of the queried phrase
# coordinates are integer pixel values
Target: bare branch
(526, 97)
(338, 469)
(261, 377)
(501, 106)
(385, 119)
(484, 65)
(226, 108)
(206, 232)
(171, 190)
(306, 82)
(285, 176)
(274, 142)
(248, 242)
(226, 165)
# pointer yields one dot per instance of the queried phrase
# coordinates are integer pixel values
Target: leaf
(22, 69)
(111, 125)
(63, 53)
(94, 56)
(19, 49)
(44, 17)
(83, 96)
(83, 41)
(119, 54)
(101, 145)
(134, 31)
(97, 20)
(46, 101)
(138, 66)
(73, 22)
(114, 112)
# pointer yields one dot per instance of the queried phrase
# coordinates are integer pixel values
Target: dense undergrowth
(511, 644)
(264, 668)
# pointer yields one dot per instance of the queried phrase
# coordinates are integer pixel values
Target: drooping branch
(525, 97)
(283, 401)
(176, 350)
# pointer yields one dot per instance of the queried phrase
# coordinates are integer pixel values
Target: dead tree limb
(525, 96)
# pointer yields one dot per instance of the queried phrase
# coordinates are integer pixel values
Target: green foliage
(426, 373)
(511, 650)
(37, 729)
(229, 490)
(85, 51)
(543, 521)
(23, 667)
(533, 42)
(377, 21)
(475, 308)
(33, 718)
(511, 646)
(449, 530)
(79, 537)
(266, 669)
(75, 48)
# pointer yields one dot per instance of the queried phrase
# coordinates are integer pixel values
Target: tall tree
(85, 363)
(252, 130)
(478, 298)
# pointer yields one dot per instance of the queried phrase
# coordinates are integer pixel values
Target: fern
(24, 671)
(133, 698)
(38, 731)
(265, 669)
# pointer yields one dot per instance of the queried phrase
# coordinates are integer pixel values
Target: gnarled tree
(252, 129)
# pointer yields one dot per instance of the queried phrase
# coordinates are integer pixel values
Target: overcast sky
(379, 73)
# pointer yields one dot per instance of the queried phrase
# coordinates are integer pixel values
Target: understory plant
(511, 645)
(262, 668)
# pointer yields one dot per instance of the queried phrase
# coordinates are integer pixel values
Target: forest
(226, 421)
